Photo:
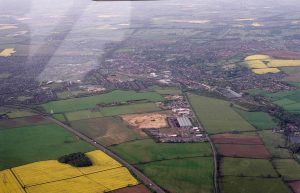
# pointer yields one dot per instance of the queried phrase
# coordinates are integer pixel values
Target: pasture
(112, 111)
(189, 175)
(275, 143)
(247, 167)
(59, 117)
(106, 131)
(28, 144)
(15, 113)
(217, 116)
(288, 168)
(142, 151)
(230, 184)
(259, 120)
(21, 122)
(76, 104)
(293, 74)
(289, 100)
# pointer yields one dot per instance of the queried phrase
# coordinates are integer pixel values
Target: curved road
(136, 172)
(144, 179)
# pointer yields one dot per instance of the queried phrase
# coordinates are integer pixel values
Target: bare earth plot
(147, 120)
(245, 151)
(237, 139)
(295, 186)
(134, 189)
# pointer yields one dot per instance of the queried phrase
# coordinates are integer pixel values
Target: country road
(215, 175)
(144, 179)
(135, 171)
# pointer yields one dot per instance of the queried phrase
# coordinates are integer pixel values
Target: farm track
(144, 179)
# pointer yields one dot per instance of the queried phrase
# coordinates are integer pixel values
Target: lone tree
(76, 159)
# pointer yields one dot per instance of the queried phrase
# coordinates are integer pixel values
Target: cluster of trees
(76, 159)
(295, 148)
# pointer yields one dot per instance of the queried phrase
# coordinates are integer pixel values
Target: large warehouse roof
(184, 122)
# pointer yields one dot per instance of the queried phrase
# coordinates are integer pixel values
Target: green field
(230, 184)
(289, 100)
(147, 150)
(34, 143)
(288, 168)
(15, 113)
(59, 117)
(275, 143)
(22, 122)
(247, 167)
(107, 130)
(82, 103)
(260, 120)
(189, 175)
(112, 111)
(217, 116)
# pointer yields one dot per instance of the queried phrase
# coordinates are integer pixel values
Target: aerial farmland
(173, 96)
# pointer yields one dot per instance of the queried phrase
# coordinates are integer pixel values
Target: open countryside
(178, 96)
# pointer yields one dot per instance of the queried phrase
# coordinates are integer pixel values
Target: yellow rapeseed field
(256, 64)
(263, 64)
(114, 178)
(101, 162)
(283, 63)
(105, 175)
(266, 70)
(52, 170)
(8, 183)
(257, 57)
(7, 52)
(44, 171)
(75, 185)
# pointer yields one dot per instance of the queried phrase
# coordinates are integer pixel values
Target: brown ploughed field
(134, 189)
(237, 139)
(295, 186)
(244, 151)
